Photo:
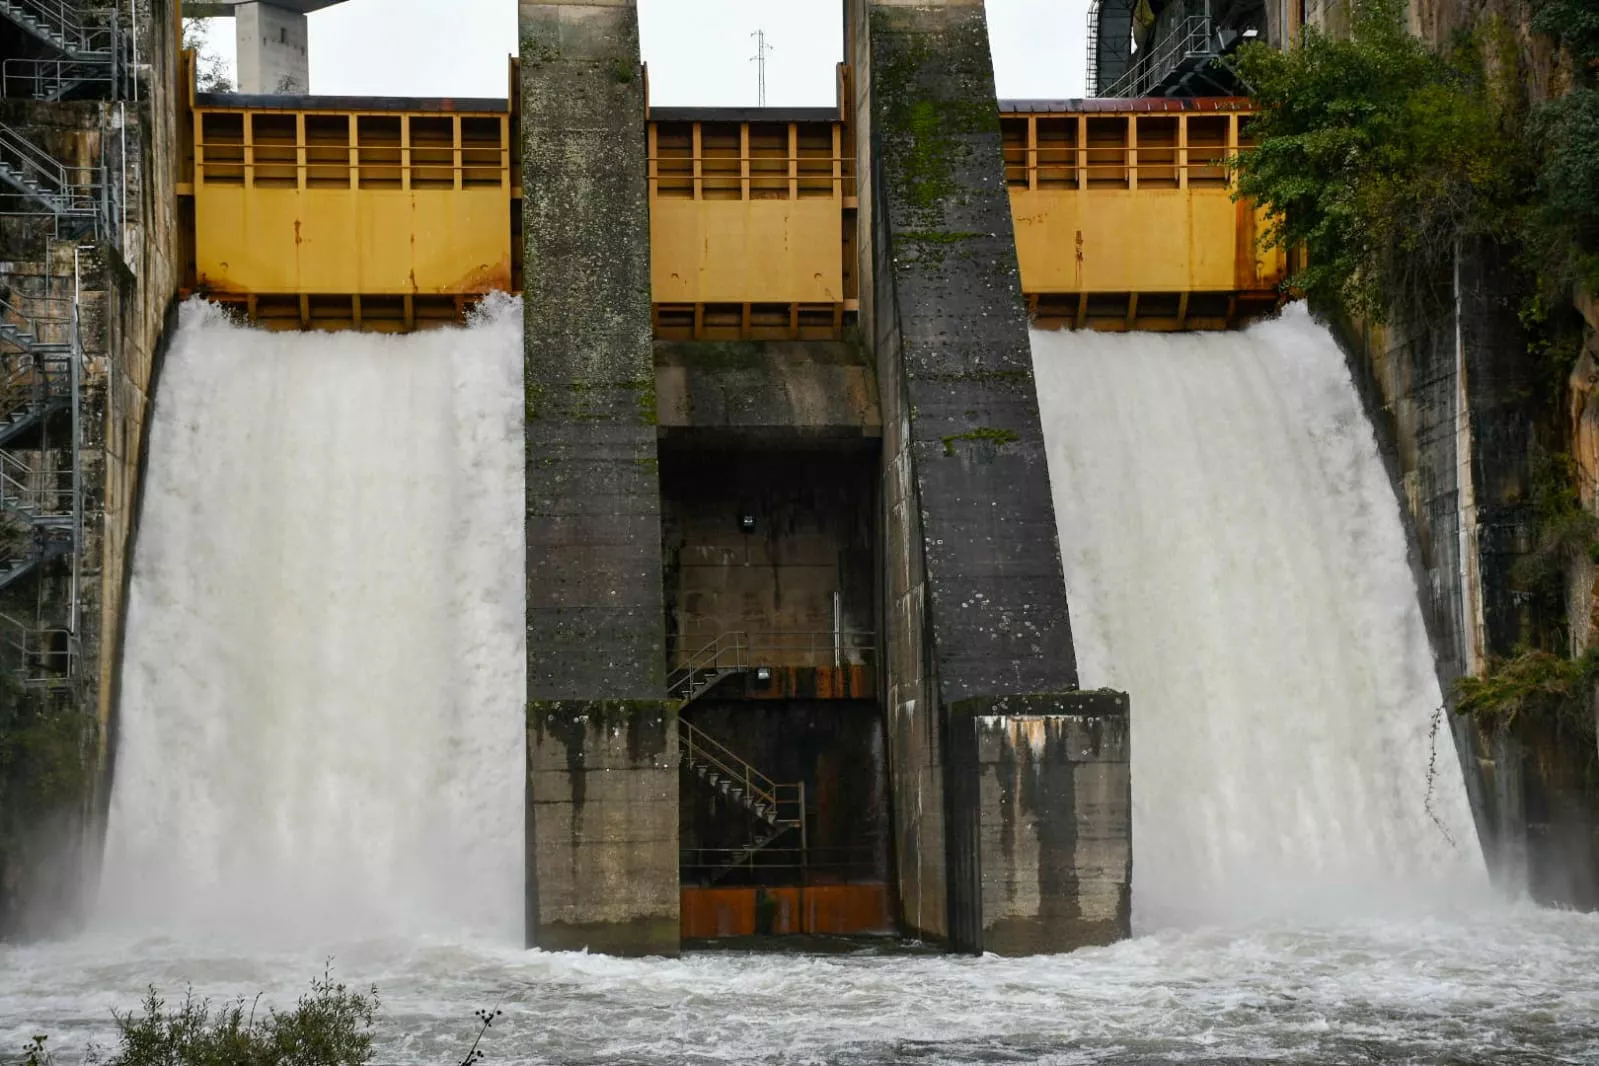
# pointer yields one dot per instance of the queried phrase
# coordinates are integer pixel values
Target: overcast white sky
(699, 51)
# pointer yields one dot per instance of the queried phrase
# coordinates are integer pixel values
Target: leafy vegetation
(44, 770)
(1378, 155)
(330, 1025)
(1565, 530)
(1533, 684)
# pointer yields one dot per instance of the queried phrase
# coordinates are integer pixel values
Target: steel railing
(76, 190)
(839, 860)
(46, 656)
(67, 22)
(25, 490)
(698, 747)
(1193, 39)
(49, 325)
(52, 79)
(726, 653)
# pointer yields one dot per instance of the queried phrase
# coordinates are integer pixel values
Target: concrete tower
(274, 41)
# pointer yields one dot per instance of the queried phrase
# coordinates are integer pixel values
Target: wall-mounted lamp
(746, 523)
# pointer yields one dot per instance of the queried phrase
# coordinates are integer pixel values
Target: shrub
(1533, 684)
(331, 1025)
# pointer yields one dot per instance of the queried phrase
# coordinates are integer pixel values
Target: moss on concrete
(997, 437)
(933, 114)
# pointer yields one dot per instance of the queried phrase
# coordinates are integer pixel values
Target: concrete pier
(1055, 820)
(602, 817)
(975, 605)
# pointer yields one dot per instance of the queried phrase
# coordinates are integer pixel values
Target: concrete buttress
(974, 596)
(602, 738)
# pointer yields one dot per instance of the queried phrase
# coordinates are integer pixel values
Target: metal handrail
(77, 188)
(48, 79)
(1193, 39)
(37, 503)
(69, 23)
(728, 651)
(32, 323)
(34, 646)
(829, 644)
(33, 380)
(699, 747)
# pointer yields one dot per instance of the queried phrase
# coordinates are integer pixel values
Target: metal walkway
(76, 197)
(87, 51)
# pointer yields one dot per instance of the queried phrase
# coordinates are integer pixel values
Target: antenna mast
(762, 49)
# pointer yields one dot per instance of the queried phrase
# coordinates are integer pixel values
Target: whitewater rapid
(321, 723)
(1235, 560)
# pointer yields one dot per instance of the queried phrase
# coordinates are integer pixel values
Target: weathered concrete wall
(602, 827)
(126, 284)
(793, 389)
(814, 537)
(974, 599)
(594, 592)
(1055, 812)
(1450, 396)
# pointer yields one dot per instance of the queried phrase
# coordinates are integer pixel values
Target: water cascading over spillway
(1235, 560)
(321, 722)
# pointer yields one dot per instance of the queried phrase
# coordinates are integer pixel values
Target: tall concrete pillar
(274, 49)
(974, 599)
(602, 816)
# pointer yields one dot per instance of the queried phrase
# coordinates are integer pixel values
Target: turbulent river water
(333, 525)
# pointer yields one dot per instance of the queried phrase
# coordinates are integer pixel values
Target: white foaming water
(1235, 560)
(1181, 446)
(322, 708)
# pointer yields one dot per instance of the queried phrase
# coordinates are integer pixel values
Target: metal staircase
(41, 505)
(74, 195)
(46, 656)
(727, 655)
(777, 808)
(87, 44)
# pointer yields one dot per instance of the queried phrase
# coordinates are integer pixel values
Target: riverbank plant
(331, 1025)
(1376, 155)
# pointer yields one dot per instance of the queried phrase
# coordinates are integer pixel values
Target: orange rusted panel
(779, 910)
(709, 913)
(837, 910)
(847, 909)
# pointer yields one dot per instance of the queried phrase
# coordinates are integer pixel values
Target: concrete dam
(883, 582)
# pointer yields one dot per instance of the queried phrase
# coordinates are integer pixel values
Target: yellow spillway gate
(340, 213)
(324, 212)
(1125, 215)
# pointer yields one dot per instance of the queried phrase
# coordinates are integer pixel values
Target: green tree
(1376, 155)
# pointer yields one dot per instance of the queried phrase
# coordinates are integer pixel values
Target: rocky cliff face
(1466, 422)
